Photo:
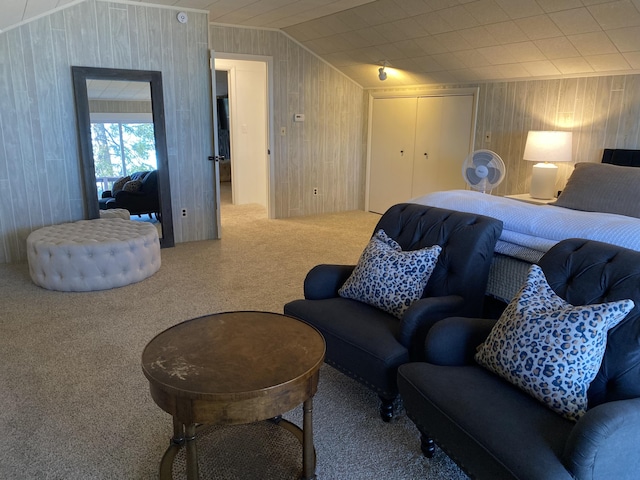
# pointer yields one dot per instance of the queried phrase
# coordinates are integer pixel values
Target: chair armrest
(454, 341)
(107, 194)
(324, 281)
(604, 442)
(423, 314)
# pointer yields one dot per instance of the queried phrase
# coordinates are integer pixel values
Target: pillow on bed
(389, 278)
(601, 187)
(549, 348)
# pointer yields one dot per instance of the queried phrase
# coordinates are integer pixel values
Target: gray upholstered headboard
(622, 157)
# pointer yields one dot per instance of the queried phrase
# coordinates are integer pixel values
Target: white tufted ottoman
(93, 254)
(116, 213)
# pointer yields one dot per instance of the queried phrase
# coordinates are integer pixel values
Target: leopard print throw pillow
(388, 277)
(549, 348)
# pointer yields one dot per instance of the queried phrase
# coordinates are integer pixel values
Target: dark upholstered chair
(144, 200)
(368, 344)
(494, 430)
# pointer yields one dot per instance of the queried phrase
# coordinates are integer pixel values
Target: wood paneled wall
(324, 151)
(40, 182)
(602, 112)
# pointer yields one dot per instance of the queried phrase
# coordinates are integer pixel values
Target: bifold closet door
(443, 141)
(393, 130)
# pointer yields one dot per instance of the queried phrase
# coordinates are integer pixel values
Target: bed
(601, 201)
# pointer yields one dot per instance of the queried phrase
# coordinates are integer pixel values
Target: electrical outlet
(184, 212)
(315, 191)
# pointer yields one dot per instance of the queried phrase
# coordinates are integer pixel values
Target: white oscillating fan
(483, 170)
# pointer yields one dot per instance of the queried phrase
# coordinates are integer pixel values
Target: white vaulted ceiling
(256, 13)
(444, 41)
(433, 41)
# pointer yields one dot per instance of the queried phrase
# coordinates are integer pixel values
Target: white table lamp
(544, 148)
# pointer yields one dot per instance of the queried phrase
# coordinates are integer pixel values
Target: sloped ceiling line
(430, 41)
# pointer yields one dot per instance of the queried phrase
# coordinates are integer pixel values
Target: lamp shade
(545, 147)
(548, 146)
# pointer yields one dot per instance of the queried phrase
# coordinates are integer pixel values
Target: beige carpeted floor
(74, 403)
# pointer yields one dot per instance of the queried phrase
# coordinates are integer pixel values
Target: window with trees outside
(120, 149)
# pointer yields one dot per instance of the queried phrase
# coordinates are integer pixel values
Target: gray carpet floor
(74, 403)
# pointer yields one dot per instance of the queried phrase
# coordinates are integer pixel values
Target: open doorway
(224, 135)
(242, 105)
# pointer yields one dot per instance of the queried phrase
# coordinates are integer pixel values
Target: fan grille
(483, 170)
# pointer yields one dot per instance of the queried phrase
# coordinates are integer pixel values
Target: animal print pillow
(389, 278)
(549, 348)
(118, 184)
(132, 186)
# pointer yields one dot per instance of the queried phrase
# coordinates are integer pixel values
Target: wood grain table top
(233, 367)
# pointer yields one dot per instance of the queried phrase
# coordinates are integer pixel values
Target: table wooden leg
(308, 453)
(178, 432)
(192, 452)
(176, 442)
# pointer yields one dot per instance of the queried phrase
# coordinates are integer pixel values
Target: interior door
(392, 149)
(248, 111)
(443, 141)
(215, 158)
(428, 149)
(455, 140)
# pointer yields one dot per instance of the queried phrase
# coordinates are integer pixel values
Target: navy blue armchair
(494, 430)
(369, 344)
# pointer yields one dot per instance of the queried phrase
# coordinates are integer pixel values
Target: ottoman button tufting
(57, 253)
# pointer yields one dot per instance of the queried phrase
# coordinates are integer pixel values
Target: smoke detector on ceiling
(182, 17)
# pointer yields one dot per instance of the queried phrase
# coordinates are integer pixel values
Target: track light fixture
(382, 75)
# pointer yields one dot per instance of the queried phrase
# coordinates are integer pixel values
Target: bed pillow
(549, 348)
(601, 187)
(389, 278)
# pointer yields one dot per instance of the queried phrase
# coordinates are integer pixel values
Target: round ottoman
(116, 213)
(93, 254)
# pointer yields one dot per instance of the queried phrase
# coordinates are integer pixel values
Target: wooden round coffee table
(233, 368)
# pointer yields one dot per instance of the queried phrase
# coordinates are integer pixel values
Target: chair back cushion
(150, 183)
(585, 272)
(467, 242)
(138, 175)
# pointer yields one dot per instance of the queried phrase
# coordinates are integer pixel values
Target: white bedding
(539, 227)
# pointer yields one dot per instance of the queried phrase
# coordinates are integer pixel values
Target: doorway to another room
(242, 107)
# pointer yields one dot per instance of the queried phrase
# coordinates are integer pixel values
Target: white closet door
(427, 152)
(456, 140)
(392, 152)
(443, 141)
